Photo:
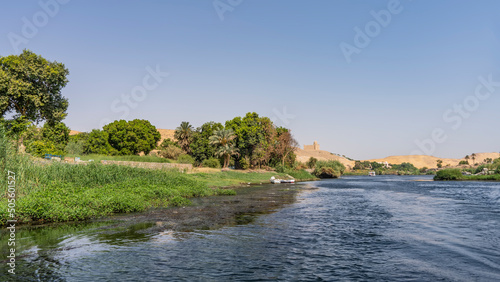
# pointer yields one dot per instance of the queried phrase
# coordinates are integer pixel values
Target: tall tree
(473, 157)
(253, 134)
(30, 86)
(132, 137)
(223, 140)
(285, 144)
(200, 146)
(183, 135)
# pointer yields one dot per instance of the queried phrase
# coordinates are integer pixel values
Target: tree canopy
(132, 137)
(30, 86)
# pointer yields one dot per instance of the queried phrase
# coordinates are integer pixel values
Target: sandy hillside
(165, 134)
(431, 161)
(303, 156)
(74, 132)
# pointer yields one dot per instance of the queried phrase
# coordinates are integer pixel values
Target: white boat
(371, 173)
(279, 181)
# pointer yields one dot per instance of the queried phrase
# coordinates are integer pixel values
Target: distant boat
(372, 173)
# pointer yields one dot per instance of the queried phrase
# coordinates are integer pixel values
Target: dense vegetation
(328, 169)
(383, 169)
(489, 170)
(63, 192)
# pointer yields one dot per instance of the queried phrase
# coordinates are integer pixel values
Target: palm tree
(222, 139)
(183, 135)
(467, 159)
(473, 157)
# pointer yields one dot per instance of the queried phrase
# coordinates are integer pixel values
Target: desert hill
(421, 161)
(304, 155)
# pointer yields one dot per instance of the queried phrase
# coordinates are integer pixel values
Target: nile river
(383, 228)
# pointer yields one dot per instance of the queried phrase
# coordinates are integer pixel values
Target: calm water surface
(383, 228)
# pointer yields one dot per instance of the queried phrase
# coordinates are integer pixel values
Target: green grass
(131, 158)
(65, 192)
(235, 178)
(456, 174)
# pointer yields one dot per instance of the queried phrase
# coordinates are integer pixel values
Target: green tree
(200, 146)
(57, 133)
(473, 157)
(132, 137)
(311, 163)
(183, 134)
(97, 143)
(222, 139)
(252, 133)
(285, 144)
(439, 163)
(30, 87)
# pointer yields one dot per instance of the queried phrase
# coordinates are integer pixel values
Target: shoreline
(205, 213)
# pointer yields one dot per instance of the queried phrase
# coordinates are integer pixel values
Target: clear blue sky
(265, 56)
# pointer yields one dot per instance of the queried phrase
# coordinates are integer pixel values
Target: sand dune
(303, 156)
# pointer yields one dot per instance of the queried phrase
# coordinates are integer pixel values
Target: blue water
(383, 228)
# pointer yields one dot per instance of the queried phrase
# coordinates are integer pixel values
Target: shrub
(75, 147)
(448, 174)
(185, 159)
(311, 163)
(212, 162)
(171, 152)
(279, 169)
(40, 148)
(244, 163)
(168, 142)
(463, 163)
(329, 169)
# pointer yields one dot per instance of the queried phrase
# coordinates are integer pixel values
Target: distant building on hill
(313, 147)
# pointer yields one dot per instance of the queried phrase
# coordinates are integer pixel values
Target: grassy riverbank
(456, 174)
(64, 192)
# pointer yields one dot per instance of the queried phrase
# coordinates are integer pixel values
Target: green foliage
(64, 192)
(463, 163)
(15, 128)
(223, 140)
(185, 159)
(75, 147)
(329, 169)
(252, 132)
(439, 163)
(168, 142)
(300, 174)
(130, 158)
(200, 146)
(212, 162)
(39, 148)
(243, 163)
(30, 86)
(97, 143)
(183, 134)
(132, 137)
(57, 133)
(406, 167)
(448, 174)
(171, 152)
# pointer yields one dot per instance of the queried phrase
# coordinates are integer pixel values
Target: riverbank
(456, 175)
(62, 192)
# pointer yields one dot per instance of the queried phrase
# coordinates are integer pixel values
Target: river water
(383, 228)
